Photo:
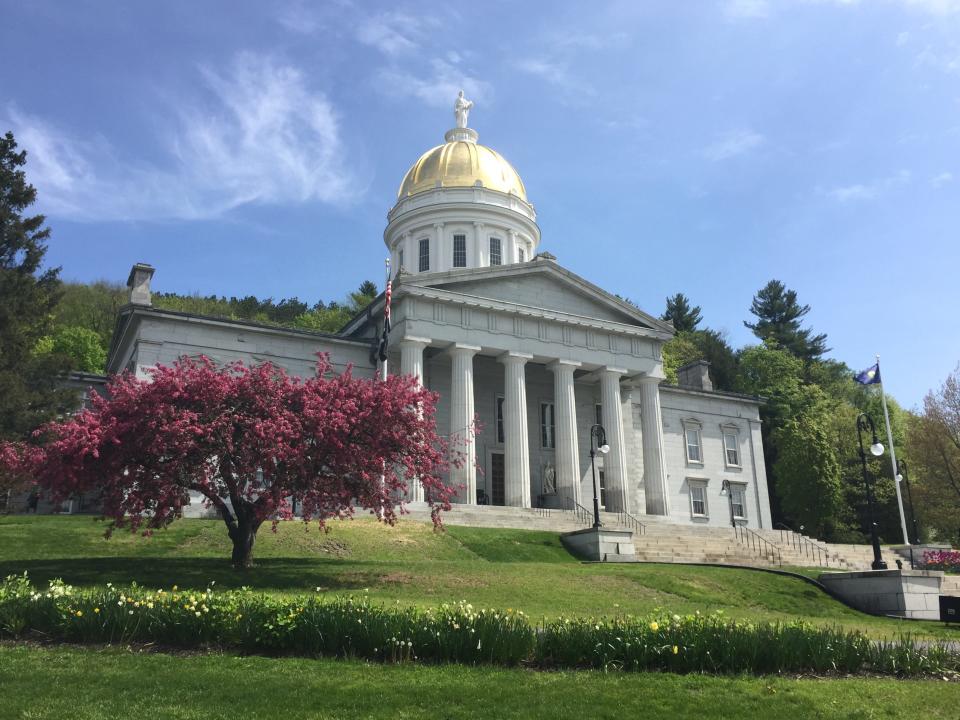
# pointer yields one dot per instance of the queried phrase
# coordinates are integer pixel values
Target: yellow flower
(79, 613)
(654, 626)
(174, 588)
(675, 650)
(97, 610)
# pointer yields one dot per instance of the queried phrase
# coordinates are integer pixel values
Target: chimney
(139, 284)
(695, 375)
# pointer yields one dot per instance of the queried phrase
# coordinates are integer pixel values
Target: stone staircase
(659, 539)
(664, 541)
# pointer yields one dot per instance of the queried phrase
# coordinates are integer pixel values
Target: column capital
(438, 226)
(614, 370)
(649, 380)
(479, 225)
(560, 364)
(413, 341)
(512, 357)
(463, 349)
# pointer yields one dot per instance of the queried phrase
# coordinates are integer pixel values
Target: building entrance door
(497, 476)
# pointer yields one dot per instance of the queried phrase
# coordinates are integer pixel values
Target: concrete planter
(603, 544)
(907, 593)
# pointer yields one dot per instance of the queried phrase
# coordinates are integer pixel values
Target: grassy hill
(411, 563)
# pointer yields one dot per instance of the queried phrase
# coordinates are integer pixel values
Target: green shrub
(355, 627)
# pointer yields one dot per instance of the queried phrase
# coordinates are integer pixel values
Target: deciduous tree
(247, 439)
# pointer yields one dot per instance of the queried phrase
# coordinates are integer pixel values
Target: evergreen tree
(778, 318)
(684, 317)
(29, 388)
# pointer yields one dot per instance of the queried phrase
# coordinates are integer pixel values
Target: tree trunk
(243, 531)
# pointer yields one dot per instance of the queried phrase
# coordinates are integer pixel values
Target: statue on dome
(461, 110)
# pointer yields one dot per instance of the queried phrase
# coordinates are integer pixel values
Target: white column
(565, 405)
(479, 238)
(515, 431)
(614, 462)
(410, 259)
(411, 363)
(437, 262)
(411, 356)
(651, 427)
(510, 251)
(462, 422)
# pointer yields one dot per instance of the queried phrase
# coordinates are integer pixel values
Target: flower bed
(355, 627)
(946, 560)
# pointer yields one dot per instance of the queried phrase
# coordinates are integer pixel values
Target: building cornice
(456, 298)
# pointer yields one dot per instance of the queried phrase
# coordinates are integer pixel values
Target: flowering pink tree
(248, 439)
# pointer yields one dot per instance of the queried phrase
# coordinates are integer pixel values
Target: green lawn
(93, 684)
(413, 564)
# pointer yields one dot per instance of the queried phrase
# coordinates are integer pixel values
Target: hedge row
(355, 627)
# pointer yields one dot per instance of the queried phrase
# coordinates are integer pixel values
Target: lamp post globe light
(598, 443)
(864, 423)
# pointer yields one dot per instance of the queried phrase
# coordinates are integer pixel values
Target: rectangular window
(459, 250)
(694, 454)
(500, 419)
(548, 438)
(738, 501)
(731, 444)
(496, 254)
(522, 255)
(698, 499)
(598, 419)
(424, 254)
(602, 480)
(400, 260)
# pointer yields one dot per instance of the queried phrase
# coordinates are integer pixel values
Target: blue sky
(703, 147)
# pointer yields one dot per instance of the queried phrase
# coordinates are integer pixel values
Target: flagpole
(893, 458)
(383, 374)
(383, 366)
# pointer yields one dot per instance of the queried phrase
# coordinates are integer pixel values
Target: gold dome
(462, 163)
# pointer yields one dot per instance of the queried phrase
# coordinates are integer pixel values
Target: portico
(533, 378)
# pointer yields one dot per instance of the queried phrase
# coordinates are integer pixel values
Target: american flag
(384, 338)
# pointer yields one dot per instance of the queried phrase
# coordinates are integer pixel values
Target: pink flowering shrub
(248, 439)
(947, 560)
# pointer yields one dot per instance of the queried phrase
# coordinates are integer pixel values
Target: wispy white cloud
(438, 88)
(734, 144)
(758, 9)
(868, 190)
(392, 33)
(259, 135)
(746, 9)
(938, 181)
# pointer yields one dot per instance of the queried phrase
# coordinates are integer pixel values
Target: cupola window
(522, 255)
(459, 250)
(424, 254)
(496, 251)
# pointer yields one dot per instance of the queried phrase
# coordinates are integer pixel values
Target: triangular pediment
(539, 284)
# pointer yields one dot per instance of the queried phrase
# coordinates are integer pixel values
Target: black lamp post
(598, 443)
(902, 476)
(864, 423)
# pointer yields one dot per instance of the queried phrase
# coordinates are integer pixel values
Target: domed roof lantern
(461, 205)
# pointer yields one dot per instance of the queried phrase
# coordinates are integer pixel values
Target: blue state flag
(870, 376)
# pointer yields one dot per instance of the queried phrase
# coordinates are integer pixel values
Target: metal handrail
(746, 536)
(581, 514)
(625, 518)
(804, 544)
